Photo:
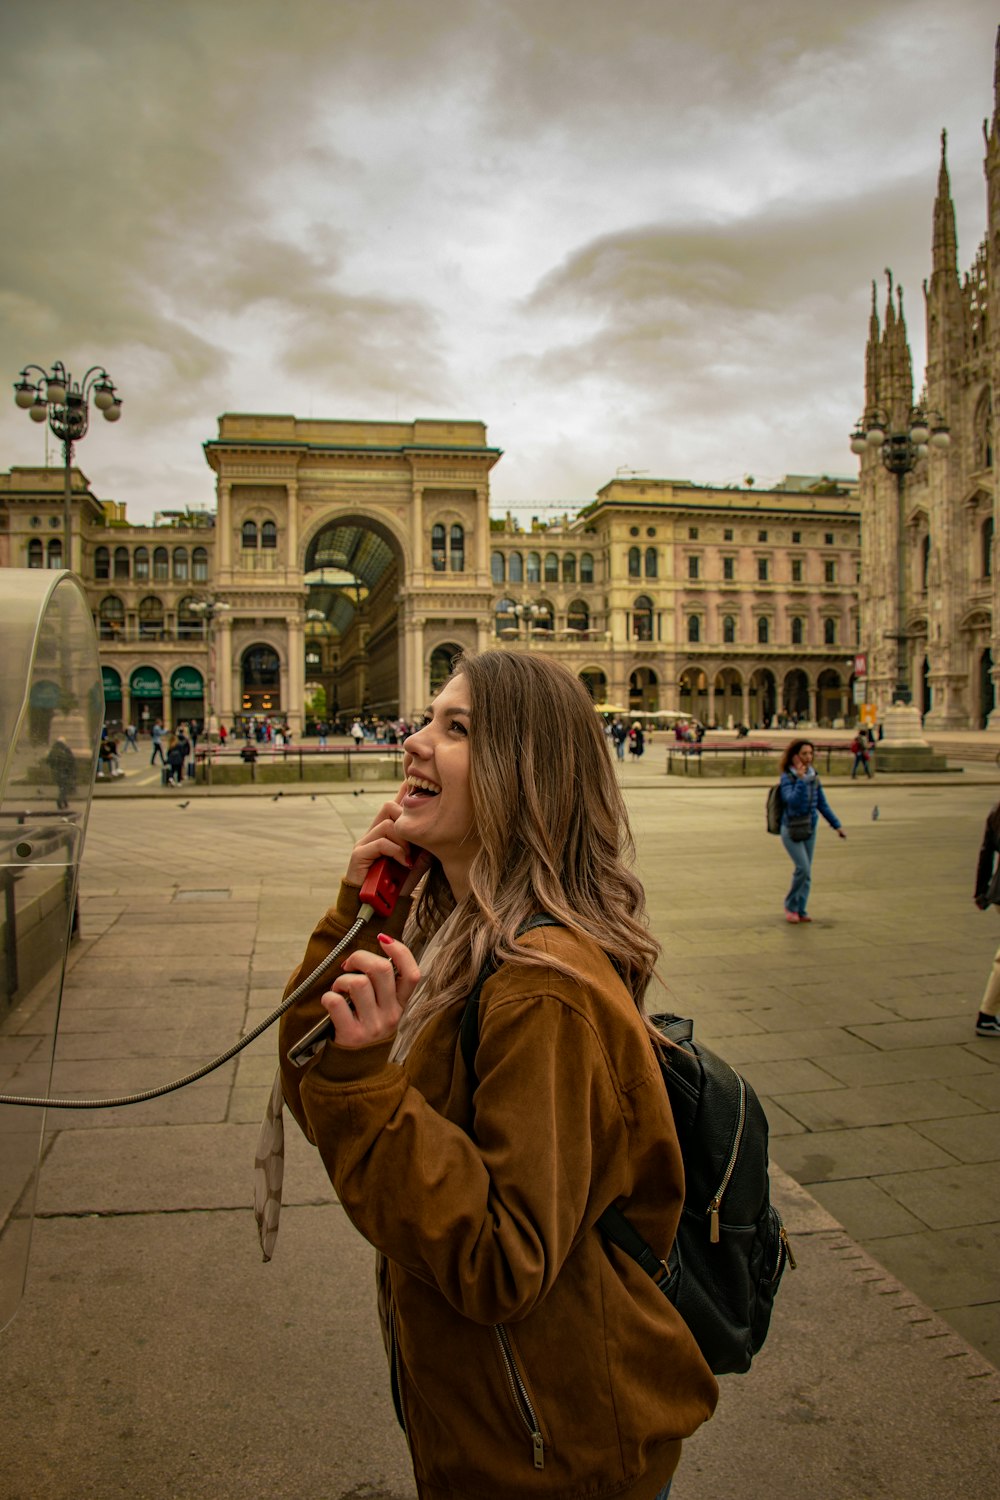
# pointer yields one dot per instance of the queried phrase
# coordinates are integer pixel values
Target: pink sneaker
(791, 916)
(803, 917)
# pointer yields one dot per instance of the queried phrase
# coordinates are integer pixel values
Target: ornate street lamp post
(209, 609)
(65, 403)
(900, 452)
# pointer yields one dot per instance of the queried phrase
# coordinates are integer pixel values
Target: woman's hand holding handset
(367, 999)
(382, 842)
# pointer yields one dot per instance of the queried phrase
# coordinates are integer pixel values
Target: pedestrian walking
(357, 733)
(987, 893)
(619, 735)
(157, 734)
(177, 753)
(862, 754)
(802, 801)
(323, 730)
(527, 1355)
(636, 740)
(131, 738)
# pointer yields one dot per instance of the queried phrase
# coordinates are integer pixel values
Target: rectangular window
(729, 568)
(762, 536)
(693, 567)
(762, 570)
(727, 535)
(796, 536)
(828, 538)
(830, 572)
(796, 570)
(692, 533)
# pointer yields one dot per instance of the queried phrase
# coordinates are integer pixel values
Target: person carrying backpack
(528, 1353)
(862, 754)
(802, 801)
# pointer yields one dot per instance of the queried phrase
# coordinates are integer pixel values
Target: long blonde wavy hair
(554, 837)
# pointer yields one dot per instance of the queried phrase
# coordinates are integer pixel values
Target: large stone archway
(364, 543)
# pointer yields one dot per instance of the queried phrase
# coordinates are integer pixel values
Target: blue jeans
(664, 1493)
(801, 856)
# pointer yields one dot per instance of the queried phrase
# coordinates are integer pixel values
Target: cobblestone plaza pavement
(155, 1356)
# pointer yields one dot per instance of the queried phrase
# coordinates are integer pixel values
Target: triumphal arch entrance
(350, 556)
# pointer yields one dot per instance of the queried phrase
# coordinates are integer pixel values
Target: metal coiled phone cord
(365, 914)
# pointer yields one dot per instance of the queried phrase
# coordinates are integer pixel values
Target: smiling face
(437, 803)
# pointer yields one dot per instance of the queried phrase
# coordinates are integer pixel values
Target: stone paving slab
(874, 1212)
(881, 1104)
(969, 1139)
(945, 1198)
(956, 1064)
(869, 1151)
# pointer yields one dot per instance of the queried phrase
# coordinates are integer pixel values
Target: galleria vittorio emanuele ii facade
(363, 556)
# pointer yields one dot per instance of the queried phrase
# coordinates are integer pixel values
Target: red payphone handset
(379, 893)
(382, 885)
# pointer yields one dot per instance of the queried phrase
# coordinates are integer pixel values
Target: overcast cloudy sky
(634, 235)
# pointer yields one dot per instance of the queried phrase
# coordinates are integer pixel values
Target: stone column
(419, 549)
(294, 704)
(812, 703)
(745, 690)
(292, 535)
(711, 700)
(224, 670)
(224, 527)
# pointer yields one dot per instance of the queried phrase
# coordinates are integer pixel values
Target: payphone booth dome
(51, 713)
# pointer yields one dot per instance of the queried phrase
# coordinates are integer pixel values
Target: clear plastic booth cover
(51, 712)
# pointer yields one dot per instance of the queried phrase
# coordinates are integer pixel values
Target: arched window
(829, 632)
(180, 565)
(642, 618)
(269, 534)
(497, 571)
(694, 629)
(534, 568)
(438, 559)
(248, 536)
(578, 616)
(798, 634)
(54, 558)
(110, 618)
(190, 624)
(635, 562)
(151, 619)
(763, 631)
(587, 568)
(506, 619)
(987, 547)
(569, 567)
(140, 562)
(161, 565)
(650, 562)
(456, 541)
(515, 568)
(551, 568)
(121, 562)
(545, 618)
(199, 564)
(36, 553)
(102, 563)
(728, 630)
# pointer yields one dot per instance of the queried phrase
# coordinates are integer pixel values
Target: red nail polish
(383, 939)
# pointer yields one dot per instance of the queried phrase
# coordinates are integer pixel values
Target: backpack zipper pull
(788, 1248)
(713, 1222)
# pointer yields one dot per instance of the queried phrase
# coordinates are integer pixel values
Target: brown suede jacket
(530, 1358)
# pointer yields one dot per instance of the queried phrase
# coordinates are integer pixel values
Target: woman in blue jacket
(802, 797)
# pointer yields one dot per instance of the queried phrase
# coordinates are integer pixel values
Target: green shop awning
(112, 685)
(146, 682)
(186, 682)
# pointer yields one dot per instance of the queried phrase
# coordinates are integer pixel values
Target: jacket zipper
(713, 1208)
(519, 1391)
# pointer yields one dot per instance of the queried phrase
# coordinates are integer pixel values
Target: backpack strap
(622, 1232)
(469, 1029)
